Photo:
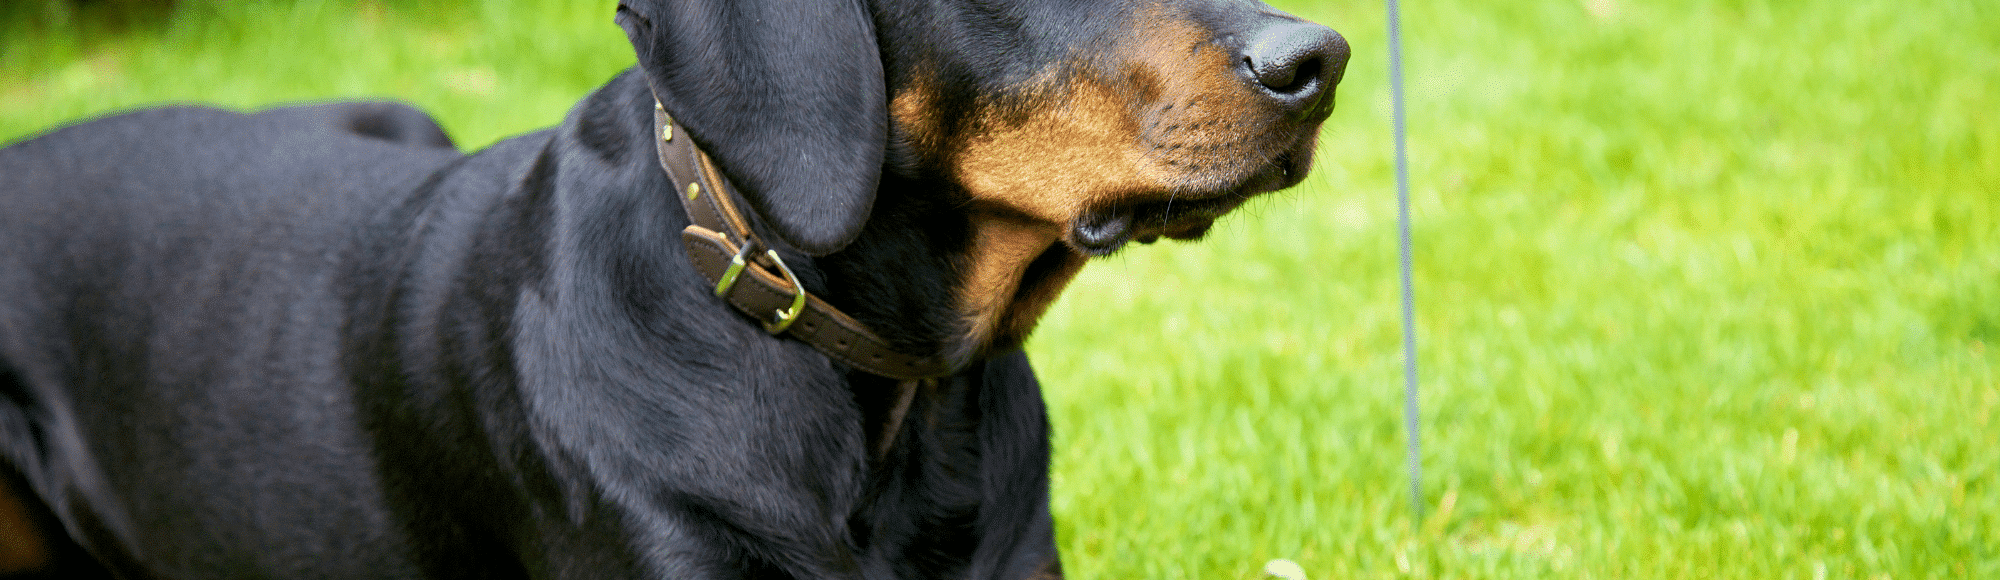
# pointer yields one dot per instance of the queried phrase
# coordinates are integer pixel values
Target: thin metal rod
(1403, 238)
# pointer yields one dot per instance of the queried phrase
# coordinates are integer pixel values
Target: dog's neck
(930, 272)
(965, 282)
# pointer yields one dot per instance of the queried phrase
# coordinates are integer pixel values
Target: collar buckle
(787, 316)
(736, 266)
(712, 243)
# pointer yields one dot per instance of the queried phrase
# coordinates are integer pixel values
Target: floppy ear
(786, 95)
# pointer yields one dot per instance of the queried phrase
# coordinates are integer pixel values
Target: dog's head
(1118, 120)
(1067, 127)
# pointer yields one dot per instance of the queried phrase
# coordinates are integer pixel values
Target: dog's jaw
(1014, 269)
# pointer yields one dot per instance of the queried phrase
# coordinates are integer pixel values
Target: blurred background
(1707, 288)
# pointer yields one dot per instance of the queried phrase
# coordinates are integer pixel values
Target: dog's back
(166, 290)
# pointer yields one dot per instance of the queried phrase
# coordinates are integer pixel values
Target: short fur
(320, 342)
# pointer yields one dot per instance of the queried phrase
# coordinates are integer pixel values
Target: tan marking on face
(1163, 112)
(1061, 160)
(911, 111)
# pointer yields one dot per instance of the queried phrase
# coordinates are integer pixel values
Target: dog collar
(759, 284)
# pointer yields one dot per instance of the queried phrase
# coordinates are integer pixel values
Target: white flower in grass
(1284, 569)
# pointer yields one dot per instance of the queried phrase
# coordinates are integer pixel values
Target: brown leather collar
(751, 276)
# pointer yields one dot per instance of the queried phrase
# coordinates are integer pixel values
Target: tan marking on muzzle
(1080, 150)
(1163, 111)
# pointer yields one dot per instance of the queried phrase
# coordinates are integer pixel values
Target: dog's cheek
(1062, 157)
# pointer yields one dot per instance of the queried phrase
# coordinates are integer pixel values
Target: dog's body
(320, 342)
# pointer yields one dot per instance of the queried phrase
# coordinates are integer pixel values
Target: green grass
(1706, 290)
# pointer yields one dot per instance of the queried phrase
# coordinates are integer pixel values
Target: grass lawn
(1707, 289)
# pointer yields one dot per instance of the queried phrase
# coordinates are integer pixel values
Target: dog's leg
(22, 548)
(32, 544)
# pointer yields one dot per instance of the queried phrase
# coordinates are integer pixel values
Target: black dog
(319, 342)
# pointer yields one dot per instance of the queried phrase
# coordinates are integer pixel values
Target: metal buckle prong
(736, 265)
(789, 315)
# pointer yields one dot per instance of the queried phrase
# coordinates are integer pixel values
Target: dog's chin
(1147, 217)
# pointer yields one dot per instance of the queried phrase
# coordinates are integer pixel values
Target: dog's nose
(1295, 62)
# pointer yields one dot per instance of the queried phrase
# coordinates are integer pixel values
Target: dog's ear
(786, 95)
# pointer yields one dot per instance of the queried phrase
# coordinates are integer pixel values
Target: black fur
(529, 381)
(319, 342)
